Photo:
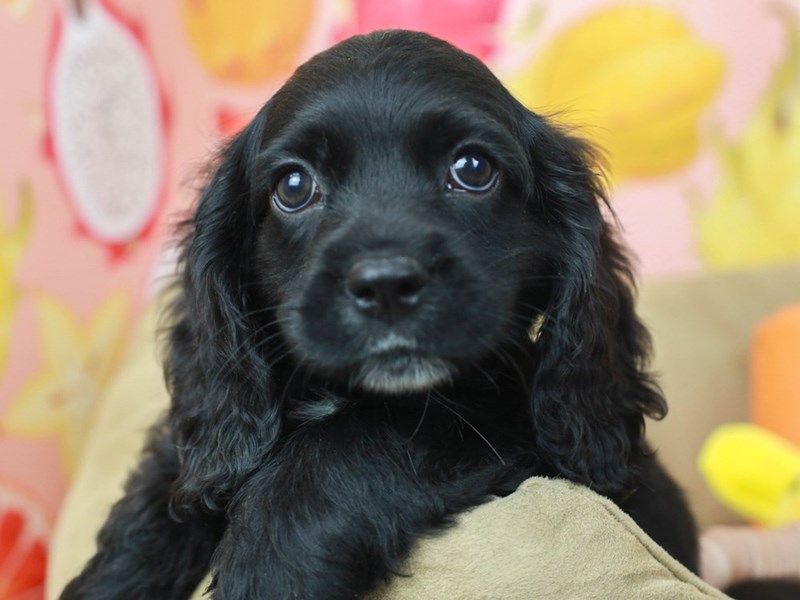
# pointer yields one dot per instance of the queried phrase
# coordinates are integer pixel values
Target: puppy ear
(224, 415)
(590, 390)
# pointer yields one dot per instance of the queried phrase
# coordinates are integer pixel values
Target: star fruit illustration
(79, 361)
(754, 216)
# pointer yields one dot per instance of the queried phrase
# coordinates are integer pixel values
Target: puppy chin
(402, 374)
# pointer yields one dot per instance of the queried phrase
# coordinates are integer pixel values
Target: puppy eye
(471, 172)
(295, 191)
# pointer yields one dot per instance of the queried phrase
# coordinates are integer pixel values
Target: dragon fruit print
(106, 123)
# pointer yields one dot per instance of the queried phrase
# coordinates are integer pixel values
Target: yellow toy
(754, 472)
(755, 469)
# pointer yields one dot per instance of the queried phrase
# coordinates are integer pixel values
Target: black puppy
(399, 296)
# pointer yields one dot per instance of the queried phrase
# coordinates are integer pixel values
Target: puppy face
(397, 234)
(392, 222)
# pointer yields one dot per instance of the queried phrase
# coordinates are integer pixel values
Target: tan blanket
(550, 540)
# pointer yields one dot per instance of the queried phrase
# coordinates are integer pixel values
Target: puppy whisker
(421, 417)
(509, 361)
(235, 354)
(437, 397)
(476, 365)
(254, 313)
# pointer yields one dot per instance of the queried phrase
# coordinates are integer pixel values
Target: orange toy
(775, 374)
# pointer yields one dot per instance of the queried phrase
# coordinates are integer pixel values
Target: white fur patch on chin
(391, 374)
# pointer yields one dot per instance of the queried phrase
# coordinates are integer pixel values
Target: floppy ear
(590, 390)
(224, 415)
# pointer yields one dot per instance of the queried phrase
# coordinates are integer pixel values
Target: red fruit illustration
(106, 122)
(24, 532)
(231, 121)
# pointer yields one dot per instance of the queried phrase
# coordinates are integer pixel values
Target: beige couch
(702, 329)
(570, 542)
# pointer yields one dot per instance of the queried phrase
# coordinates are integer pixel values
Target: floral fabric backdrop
(109, 108)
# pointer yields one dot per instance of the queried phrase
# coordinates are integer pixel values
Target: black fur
(303, 453)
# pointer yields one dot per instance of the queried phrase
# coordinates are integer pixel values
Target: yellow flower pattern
(18, 8)
(635, 79)
(79, 362)
(12, 243)
(755, 216)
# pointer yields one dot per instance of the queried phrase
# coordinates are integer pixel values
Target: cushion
(551, 539)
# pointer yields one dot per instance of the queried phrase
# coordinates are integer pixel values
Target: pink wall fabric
(109, 109)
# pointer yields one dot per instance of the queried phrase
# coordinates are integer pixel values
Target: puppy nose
(386, 287)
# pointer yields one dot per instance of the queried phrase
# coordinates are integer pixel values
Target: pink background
(82, 273)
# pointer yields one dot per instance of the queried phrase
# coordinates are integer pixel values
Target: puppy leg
(142, 552)
(287, 539)
(338, 508)
(660, 509)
